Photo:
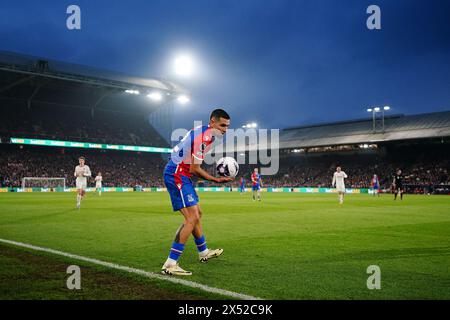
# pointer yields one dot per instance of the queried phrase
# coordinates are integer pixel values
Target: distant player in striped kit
(184, 162)
(256, 184)
(242, 185)
(82, 172)
(375, 183)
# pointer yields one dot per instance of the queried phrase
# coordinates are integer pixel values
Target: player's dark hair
(219, 113)
(82, 158)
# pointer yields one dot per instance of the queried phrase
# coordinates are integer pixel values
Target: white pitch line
(134, 270)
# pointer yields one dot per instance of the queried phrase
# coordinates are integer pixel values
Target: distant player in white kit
(338, 181)
(82, 172)
(98, 183)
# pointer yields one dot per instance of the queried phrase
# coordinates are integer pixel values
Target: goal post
(43, 182)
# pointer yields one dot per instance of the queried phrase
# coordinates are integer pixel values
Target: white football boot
(211, 253)
(175, 270)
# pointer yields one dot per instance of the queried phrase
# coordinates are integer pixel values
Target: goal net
(35, 182)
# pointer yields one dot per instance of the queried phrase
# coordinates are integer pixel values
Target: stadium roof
(397, 127)
(25, 78)
(357, 132)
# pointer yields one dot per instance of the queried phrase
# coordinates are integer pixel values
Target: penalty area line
(144, 273)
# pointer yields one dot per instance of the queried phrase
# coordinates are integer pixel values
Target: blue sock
(201, 243)
(176, 251)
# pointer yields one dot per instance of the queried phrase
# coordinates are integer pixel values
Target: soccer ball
(227, 167)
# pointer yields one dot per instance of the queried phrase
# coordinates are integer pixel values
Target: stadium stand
(119, 169)
(46, 97)
(70, 124)
(52, 100)
(425, 171)
(420, 171)
(424, 166)
(424, 161)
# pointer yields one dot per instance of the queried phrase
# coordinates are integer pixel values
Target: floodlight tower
(385, 108)
(375, 111)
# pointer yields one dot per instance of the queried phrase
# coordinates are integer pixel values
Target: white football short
(81, 185)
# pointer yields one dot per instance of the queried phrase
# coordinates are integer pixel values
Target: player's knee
(193, 220)
(193, 216)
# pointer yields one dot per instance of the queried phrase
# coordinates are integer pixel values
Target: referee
(397, 184)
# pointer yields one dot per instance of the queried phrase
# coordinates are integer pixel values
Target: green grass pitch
(289, 246)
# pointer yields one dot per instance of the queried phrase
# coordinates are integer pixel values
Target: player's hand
(224, 179)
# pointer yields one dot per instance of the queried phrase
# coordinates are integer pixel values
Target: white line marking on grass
(134, 270)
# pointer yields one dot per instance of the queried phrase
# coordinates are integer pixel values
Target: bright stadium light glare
(250, 125)
(184, 65)
(377, 109)
(369, 110)
(387, 108)
(183, 99)
(129, 91)
(155, 95)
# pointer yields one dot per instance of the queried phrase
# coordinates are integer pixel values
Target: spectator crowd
(119, 169)
(422, 167)
(79, 125)
(129, 169)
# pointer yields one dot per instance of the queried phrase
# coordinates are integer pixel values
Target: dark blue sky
(280, 63)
